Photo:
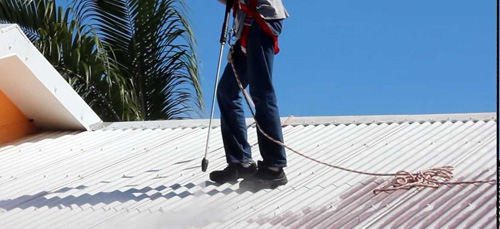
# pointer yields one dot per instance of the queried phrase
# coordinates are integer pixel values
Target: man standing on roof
(257, 25)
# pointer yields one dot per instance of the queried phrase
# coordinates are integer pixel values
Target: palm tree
(129, 59)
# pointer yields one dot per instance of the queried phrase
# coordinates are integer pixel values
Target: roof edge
(37, 88)
(312, 120)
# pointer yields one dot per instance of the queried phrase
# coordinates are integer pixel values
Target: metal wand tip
(204, 165)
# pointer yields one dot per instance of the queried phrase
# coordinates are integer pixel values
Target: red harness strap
(251, 13)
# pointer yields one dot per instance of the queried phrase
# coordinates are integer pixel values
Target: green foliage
(129, 59)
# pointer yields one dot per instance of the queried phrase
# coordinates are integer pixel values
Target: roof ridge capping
(312, 120)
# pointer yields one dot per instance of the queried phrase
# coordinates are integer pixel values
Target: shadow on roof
(41, 200)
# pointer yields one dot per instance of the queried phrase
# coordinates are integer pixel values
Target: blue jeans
(255, 70)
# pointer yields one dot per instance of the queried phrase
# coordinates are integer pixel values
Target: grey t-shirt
(269, 9)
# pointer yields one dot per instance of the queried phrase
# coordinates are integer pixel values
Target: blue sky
(372, 57)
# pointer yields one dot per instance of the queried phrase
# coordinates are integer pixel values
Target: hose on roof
(432, 178)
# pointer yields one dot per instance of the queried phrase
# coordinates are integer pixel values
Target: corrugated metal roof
(149, 177)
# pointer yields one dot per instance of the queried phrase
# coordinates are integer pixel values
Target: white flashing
(36, 87)
(291, 121)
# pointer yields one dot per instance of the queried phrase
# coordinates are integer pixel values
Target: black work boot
(265, 178)
(233, 172)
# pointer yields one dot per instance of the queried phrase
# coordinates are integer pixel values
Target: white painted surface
(286, 121)
(38, 90)
(150, 178)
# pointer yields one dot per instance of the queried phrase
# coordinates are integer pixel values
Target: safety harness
(252, 15)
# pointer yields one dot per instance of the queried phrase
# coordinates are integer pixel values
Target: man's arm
(222, 1)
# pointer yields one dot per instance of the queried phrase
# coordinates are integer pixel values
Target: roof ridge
(306, 120)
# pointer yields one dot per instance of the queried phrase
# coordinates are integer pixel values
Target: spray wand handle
(225, 26)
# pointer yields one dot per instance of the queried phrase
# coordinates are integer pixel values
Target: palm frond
(154, 47)
(71, 47)
(129, 59)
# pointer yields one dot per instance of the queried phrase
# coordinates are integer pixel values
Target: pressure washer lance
(223, 39)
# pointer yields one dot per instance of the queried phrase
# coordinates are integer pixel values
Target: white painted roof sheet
(149, 176)
(35, 86)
